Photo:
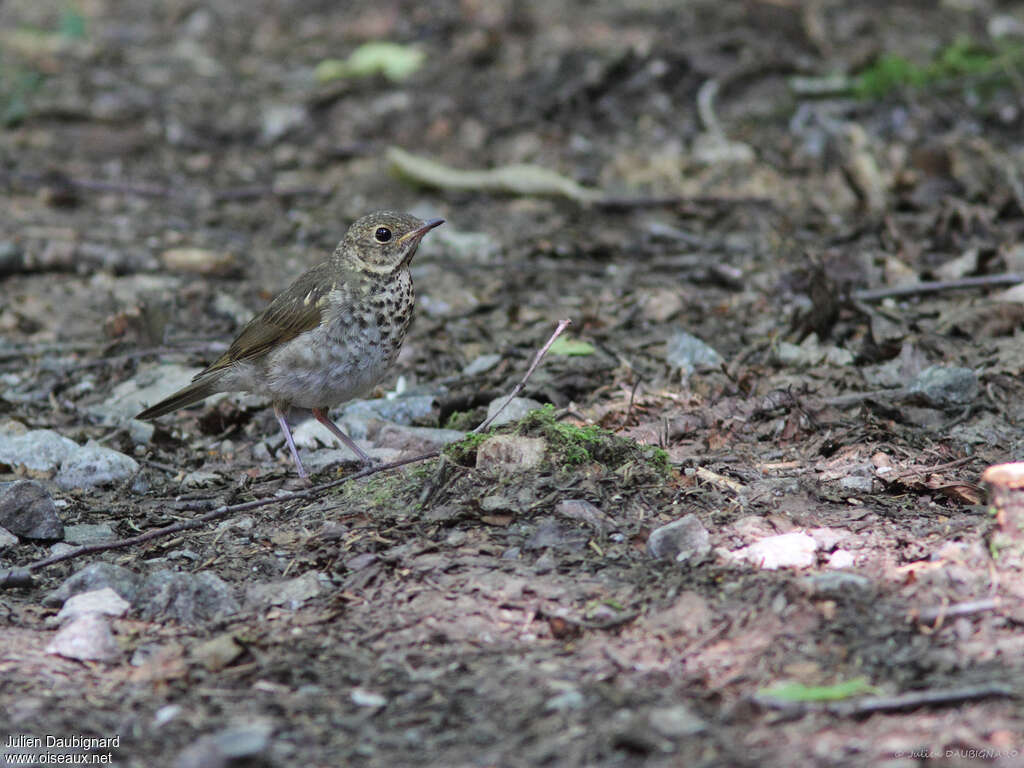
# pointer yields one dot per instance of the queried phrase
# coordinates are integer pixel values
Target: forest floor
(763, 192)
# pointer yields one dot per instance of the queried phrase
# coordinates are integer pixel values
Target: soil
(462, 615)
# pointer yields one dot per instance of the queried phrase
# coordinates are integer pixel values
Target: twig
(22, 577)
(917, 289)
(871, 704)
(562, 325)
(943, 612)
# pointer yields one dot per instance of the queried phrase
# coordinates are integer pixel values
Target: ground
(751, 173)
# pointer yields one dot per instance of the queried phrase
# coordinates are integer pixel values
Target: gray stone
(679, 540)
(517, 408)
(88, 533)
(27, 510)
(944, 386)
(96, 576)
(585, 512)
(510, 453)
(38, 450)
(87, 638)
(148, 387)
(94, 465)
(102, 601)
(415, 439)
(856, 484)
(549, 533)
(408, 409)
(230, 746)
(291, 593)
(140, 432)
(676, 721)
(837, 583)
(688, 353)
(7, 539)
(189, 598)
(481, 364)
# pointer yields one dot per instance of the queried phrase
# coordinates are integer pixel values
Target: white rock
(510, 453)
(39, 450)
(104, 601)
(788, 550)
(841, 558)
(517, 408)
(87, 638)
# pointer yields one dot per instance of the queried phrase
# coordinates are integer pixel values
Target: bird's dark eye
(382, 235)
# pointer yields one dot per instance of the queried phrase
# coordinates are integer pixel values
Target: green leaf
(796, 692)
(394, 61)
(571, 347)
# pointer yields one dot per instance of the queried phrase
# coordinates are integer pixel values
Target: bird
(328, 338)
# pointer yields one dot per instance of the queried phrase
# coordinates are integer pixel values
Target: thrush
(330, 336)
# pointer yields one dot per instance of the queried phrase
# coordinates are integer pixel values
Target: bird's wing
(294, 311)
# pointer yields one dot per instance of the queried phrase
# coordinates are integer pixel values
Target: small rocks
(190, 598)
(517, 408)
(39, 450)
(27, 510)
(787, 550)
(510, 453)
(549, 533)
(688, 353)
(94, 465)
(841, 558)
(86, 638)
(679, 540)
(86, 533)
(942, 386)
(408, 409)
(837, 583)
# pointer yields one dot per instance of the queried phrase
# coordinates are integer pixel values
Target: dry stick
(22, 577)
(944, 612)
(916, 289)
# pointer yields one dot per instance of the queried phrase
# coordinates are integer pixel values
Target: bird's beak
(421, 230)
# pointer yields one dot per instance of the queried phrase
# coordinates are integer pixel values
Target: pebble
(231, 746)
(87, 638)
(38, 450)
(27, 510)
(7, 539)
(189, 598)
(416, 439)
(95, 465)
(364, 698)
(679, 540)
(676, 721)
(290, 594)
(510, 453)
(688, 353)
(585, 512)
(550, 533)
(105, 602)
(481, 364)
(96, 576)
(86, 533)
(408, 409)
(787, 550)
(841, 558)
(837, 583)
(199, 261)
(944, 386)
(218, 652)
(517, 408)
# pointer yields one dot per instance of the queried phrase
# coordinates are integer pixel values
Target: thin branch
(918, 289)
(21, 577)
(562, 325)
(942, 612)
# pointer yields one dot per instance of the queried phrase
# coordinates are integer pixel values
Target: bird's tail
(198, 390)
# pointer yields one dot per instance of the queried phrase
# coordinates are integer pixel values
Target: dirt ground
(169, 167)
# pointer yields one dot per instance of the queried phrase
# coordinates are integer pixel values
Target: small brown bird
(330, 337)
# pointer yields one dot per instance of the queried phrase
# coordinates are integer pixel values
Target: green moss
(962, 59)
(464, 451)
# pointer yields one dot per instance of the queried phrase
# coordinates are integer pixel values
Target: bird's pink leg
(323, 418)
(288, 437)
